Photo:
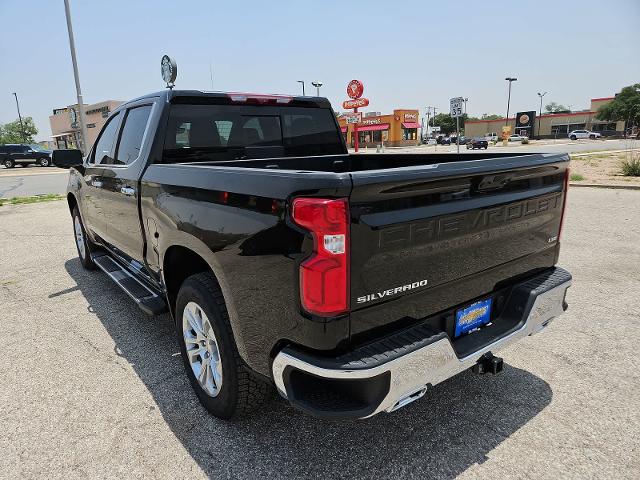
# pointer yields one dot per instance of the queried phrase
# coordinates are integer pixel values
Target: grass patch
(630, 167)
(576, 177)
(49, 197)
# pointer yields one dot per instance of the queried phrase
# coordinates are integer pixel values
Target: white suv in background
(574, 135)
(491, 137)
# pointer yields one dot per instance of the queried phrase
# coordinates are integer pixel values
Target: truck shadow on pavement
(453, 427)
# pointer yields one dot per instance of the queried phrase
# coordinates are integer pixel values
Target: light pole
(72, 47)
(24, 137)
(302, 82)
(540, 115)
(510, 80)
(317, 85)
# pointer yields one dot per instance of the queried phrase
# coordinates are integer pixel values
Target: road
(24, 182)
(91, 387)
(19, 182)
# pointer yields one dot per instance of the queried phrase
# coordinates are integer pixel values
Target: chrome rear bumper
(405, 378)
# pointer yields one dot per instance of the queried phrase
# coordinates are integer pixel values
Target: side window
(102, 152)
(135, 123)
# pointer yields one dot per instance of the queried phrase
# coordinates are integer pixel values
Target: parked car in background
(477, 142)
(12, 154)
(444, 140)
(463, 140)
(576, 134)
(517, 138)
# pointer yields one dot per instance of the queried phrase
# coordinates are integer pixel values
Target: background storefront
(393, 130)
(549, 125)
(65, 124)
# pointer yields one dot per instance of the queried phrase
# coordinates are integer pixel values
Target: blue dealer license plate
(473, 316)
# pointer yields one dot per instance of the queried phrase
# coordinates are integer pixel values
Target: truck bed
(365, 162)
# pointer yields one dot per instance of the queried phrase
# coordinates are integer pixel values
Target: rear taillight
(564, 201)
(324, 276)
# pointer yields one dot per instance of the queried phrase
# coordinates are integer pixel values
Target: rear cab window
(198, 132)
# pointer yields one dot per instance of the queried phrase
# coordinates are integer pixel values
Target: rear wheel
(44, 162)
(222, 382)
(573, 137)
(83, 244)
(8, 163)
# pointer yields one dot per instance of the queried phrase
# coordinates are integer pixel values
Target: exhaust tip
(409, 398)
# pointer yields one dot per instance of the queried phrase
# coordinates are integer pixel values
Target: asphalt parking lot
(91, 387)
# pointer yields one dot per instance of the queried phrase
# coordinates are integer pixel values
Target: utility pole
(428, 118)
(510, 80)
(72, 47)
(302, 82)
(433, 125)
(540, 115)
(24, 137)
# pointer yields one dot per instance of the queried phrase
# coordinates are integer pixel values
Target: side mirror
(66, 158)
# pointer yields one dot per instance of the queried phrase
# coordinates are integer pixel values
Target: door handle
(127, 190)
(96, 183)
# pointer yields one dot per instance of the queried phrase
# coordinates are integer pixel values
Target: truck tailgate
(427, 238)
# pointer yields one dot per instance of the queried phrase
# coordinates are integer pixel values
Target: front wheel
(573, 137)
(44, 162)
(222, 382)
(592, 137)
(83, 244)
(8, 163)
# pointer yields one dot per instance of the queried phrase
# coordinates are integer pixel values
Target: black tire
(85, 258)
(573, 137)
(592, 137)
(44, 162)
(241, 391)
(8, 163)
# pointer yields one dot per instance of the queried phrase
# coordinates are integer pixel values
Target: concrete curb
(602, 185)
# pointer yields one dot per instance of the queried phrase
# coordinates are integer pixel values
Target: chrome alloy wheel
(77, 227)
(202, 348)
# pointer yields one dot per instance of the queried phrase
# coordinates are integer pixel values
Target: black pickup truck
(351, 282)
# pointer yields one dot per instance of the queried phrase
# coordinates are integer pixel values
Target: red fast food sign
(355, 103)
(355, 89)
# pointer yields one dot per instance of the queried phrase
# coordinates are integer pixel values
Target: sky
(408, 53)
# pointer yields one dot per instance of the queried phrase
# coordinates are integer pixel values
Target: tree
(12, 132)
(493, 116)
(446, 123)
(625, 106)
(554, 107)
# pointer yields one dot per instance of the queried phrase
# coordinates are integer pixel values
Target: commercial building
(549, 125)
(65, 123)
(394, 130)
